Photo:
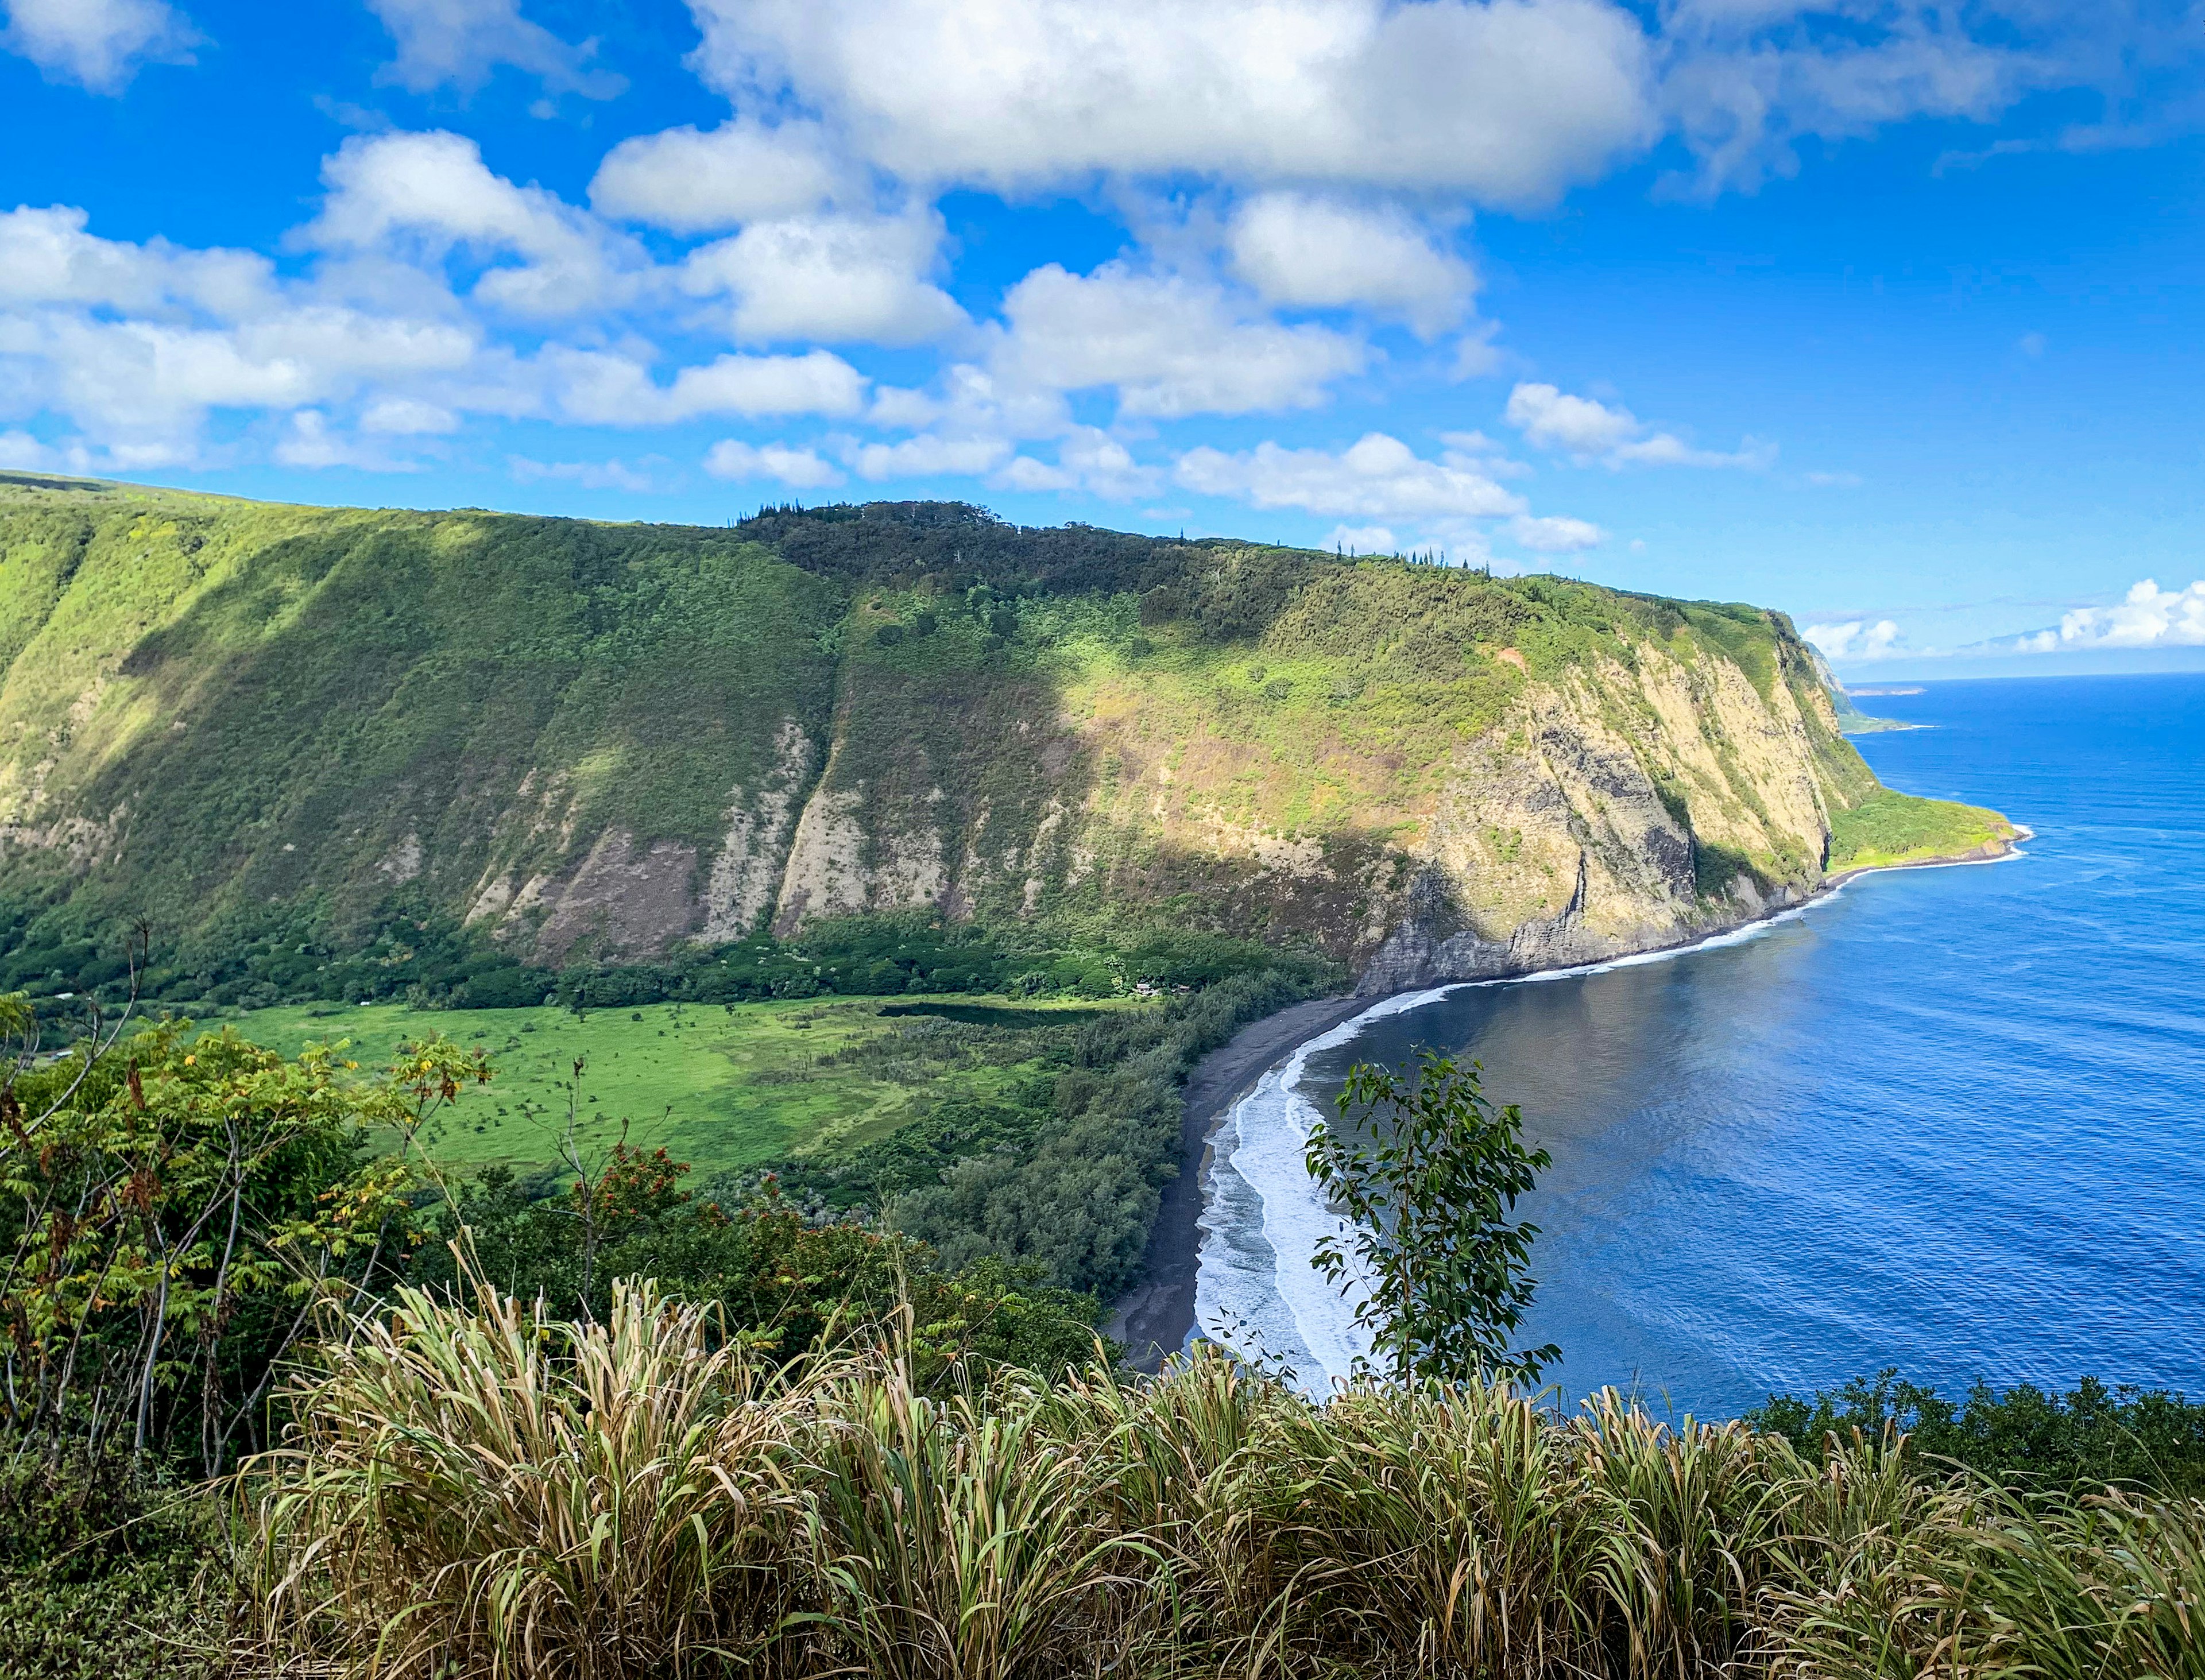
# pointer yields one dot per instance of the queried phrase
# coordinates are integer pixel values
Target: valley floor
(726, 1087)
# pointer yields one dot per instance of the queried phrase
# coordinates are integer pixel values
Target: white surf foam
(1257, 1286)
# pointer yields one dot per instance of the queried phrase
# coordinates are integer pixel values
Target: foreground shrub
(108, 1571)
(479, 1492)
(494, 1493)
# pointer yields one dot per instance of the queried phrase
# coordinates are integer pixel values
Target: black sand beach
(1154, 1318)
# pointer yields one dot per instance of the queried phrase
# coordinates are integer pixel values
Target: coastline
(1155, 1317)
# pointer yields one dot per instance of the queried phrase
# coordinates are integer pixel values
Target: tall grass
(478, 1493)
(493, 1492)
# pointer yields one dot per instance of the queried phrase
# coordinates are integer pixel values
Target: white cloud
(1554, 534)
(2147, 617)
(1171, 346)
(406, 417)
(421, 195)
(1579, 426)
(459, 42)
(1376, 476)
(145, 383)
(971, 401)
(836, 279)
(1090, 461)
(19, 452)
(800, 469)
(1663, 449)
(1747, 82)
(98, 43)
(604, 388)
(1306, 251)
(1507, 102)
(1854, 638)
(590, 475)
(1364, 539)
(48, 257)
(695, 183)
(926, 456)
(312, 442)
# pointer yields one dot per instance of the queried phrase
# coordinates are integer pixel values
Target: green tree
(182, 1206)
(1427, 1176)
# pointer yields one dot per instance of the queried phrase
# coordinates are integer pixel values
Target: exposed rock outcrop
(620, 739)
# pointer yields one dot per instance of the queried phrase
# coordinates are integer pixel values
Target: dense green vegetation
(729, 1088)
(2088, 1437)
(472, 1449)
(1886, 829)
(109, 1569)
(328, 754)
(833, 1517)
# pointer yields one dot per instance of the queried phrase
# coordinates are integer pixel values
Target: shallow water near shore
(1951, 1120)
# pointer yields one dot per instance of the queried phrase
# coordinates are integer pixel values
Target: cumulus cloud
(96, 44)
(1552, 419)
(1306, 251)
(19, 452)
(1170, 345)
(1506, 102)
(926, 456)
(49, 255)
(312, 441)
(141, 387)
(1376, 476)
(800, 469)
(1089, 459)
(1554, 534)
(836, 279)
(406, 417)
(1364, 539)
(2148, 617)
(457, 43)
(1854, 638)
(424, 195)
(693, 182)
(607, 388)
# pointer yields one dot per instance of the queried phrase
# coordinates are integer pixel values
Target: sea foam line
(1257, 1286)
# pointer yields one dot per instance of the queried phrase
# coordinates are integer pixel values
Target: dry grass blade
(963, 1539)
(488, 1493)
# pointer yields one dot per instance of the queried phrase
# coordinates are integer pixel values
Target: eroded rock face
(643, 737)
(1616, 809)
(1594, 838)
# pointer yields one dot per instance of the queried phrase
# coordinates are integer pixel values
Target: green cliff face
(594, 740)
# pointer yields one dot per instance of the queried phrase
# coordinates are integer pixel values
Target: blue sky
(1884, 312)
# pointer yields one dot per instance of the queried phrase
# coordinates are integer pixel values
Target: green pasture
(724, 1087)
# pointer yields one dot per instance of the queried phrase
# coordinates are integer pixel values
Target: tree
(184, 1205)
(1428, 1180)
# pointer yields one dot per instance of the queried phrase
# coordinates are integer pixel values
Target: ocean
(1948, 1121)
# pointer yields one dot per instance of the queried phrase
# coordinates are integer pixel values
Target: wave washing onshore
(1256, 1285)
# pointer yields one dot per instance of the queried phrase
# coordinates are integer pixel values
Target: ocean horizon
(1946, 1120)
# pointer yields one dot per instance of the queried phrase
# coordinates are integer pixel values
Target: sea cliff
(594, 742)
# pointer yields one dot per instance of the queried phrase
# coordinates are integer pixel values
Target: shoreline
(1155, 1317)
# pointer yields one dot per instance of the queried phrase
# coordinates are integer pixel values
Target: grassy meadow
(724, 1087)
(1887, 828)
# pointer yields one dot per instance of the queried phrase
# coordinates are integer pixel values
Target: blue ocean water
(1951, 1120)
